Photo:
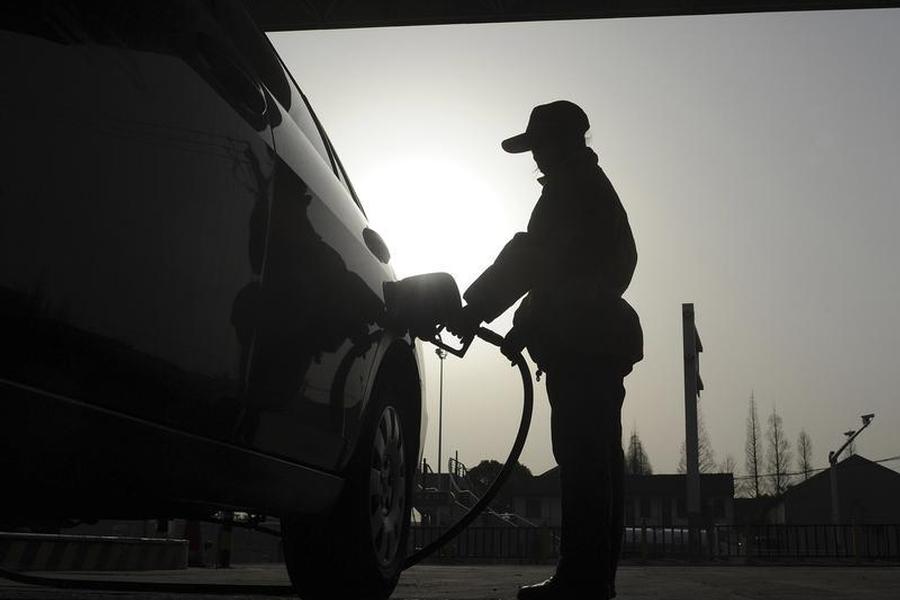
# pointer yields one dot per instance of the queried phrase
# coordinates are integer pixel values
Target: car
(191, 297)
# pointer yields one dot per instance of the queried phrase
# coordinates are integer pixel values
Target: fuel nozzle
(423, 305)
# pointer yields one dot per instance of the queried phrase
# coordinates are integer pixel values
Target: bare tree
(728, 465)
(636, 460)
(706, 454)
(778, 459)
(743, 487)
(804, 453)
(753, 450)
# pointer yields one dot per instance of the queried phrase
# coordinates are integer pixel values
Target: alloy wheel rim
(387, 486)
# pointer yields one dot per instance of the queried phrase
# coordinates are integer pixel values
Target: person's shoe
(559, 589)
(550, 589)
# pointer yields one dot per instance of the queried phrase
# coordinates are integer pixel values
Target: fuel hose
(518, 360)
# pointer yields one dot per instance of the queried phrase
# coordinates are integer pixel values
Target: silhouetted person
(574, 262)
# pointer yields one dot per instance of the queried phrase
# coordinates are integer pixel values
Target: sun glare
(434, 216)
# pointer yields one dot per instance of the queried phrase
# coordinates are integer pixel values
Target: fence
(870, 542)
(537, 544)
(518, 544)
(659, 542)
(775, 542)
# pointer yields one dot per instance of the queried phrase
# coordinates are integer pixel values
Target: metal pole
(833, 457)
(691, 443)
(441, 354)
(832, 476)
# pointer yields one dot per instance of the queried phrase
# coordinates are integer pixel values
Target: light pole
(441, 354)
(833, 457)
(851, 449)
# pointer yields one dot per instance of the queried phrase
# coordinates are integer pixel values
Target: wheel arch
(398, 370)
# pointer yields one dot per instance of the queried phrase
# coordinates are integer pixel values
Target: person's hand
(465, 323)
(513, 344)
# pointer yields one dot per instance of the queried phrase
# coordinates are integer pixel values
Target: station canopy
(292, 15)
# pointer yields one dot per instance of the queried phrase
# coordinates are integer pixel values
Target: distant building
(755, 511)
(868, 493)
(654, 500)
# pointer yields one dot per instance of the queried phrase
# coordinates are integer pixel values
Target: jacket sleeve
(506, 280)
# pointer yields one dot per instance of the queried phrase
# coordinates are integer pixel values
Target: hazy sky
(758, 157)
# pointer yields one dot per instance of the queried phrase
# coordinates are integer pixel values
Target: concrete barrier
(49, 552)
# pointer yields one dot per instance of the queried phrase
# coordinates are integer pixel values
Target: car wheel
(357, 551)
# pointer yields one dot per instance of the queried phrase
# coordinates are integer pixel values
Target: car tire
(357, 551)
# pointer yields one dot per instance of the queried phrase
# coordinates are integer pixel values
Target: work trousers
(586, 428)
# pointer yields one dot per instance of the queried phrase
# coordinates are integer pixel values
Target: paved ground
(501, 582)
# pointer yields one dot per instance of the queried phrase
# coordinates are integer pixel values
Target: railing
(536, 544)
(869, 542)
(522, 544)
(457, 468)
(772, 542)
(658, 542)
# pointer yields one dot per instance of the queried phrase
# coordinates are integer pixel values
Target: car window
(309, 124)
(340, 172)
(305, 120)
(253, 47)
(344, 179)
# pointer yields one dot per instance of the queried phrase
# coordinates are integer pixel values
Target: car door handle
(376, 245)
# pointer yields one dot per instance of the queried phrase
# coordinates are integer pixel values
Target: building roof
(852, 462)
(867, 491)
(281, 15)
(752, 511)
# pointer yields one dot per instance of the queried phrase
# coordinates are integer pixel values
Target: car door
(135, 204)
(321, 302)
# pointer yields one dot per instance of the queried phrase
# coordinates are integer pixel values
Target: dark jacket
(575, 261)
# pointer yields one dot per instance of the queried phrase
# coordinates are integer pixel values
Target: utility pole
(833, 457)
(441, 354)
(851, 447)
(692, 387)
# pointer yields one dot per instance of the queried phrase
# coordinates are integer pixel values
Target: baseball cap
(549, 122)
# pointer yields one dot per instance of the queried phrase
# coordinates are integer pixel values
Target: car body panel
(186, 275)
(124, 231)
(319, 302)
(90, 462)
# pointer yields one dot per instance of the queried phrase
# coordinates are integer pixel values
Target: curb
(49, 552)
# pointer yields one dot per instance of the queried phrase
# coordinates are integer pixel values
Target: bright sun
(435, 216)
